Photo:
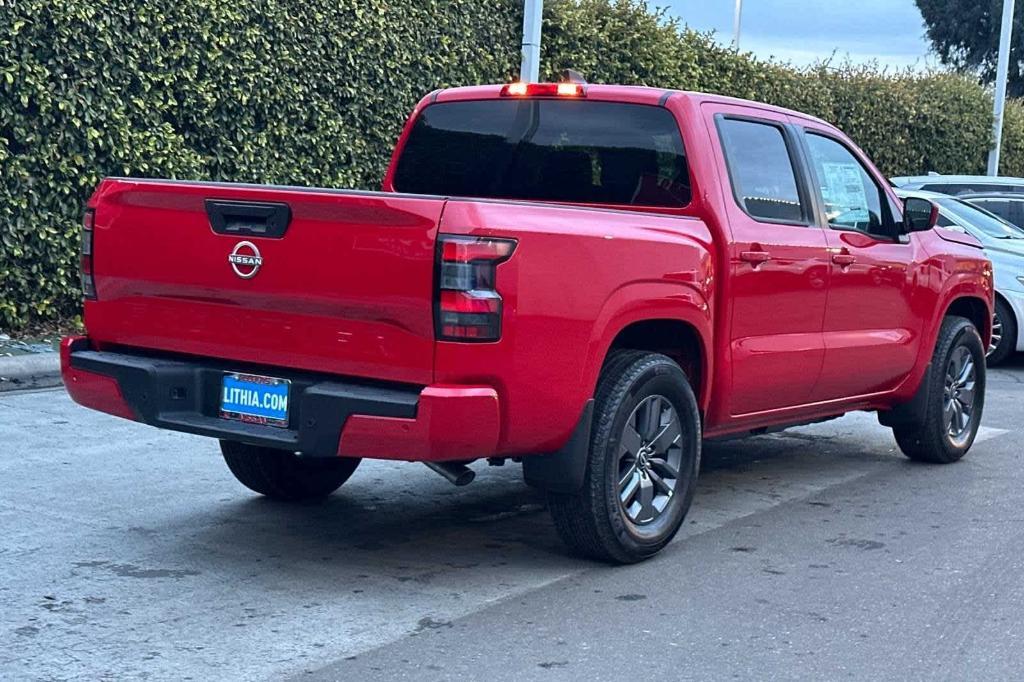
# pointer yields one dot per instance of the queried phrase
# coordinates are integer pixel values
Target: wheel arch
(975, 309)
(676, 323)
(673, 337)
(1006, 302)
(660, 307)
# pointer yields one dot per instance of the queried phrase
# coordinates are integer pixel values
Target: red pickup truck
(587, 279)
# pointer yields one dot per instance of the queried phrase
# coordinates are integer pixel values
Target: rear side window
(761, 170)
(575, 151)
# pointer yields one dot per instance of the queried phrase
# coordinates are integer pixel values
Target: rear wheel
(284, 475)
(955, 397)
(642, 464)
(1004, 334)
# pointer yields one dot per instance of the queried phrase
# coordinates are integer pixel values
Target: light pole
(1005, 34)
(736, 17)
(533, 12)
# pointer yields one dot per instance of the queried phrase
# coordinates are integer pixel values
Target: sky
(890, 32)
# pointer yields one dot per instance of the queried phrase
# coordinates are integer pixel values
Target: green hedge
(314, 92)
(283, 91)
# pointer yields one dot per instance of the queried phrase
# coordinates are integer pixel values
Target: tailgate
(199, 269)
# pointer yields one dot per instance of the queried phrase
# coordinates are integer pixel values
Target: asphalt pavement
(131, 553)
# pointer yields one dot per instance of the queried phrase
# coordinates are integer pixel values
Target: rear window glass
(550, 150)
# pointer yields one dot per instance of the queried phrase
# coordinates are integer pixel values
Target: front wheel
(283, 475)
(642, 464)
(954, 399)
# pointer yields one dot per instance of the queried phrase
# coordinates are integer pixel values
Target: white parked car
(959, 184)
(1004, 246)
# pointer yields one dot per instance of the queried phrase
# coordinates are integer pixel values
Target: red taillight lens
(88, 283)
(486, 302)
(544, 90)
(468, 305)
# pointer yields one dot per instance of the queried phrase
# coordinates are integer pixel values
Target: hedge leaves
(314, 92)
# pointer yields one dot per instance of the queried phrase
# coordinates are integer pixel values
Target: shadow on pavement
(1011, 369)
(394, 517)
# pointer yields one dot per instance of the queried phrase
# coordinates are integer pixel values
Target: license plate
(255, 399)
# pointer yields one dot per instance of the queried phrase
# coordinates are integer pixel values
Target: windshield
(981, 220)
(555, 150)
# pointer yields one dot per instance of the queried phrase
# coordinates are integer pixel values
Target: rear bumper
(328, 416)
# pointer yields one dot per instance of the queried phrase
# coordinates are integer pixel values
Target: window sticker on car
(842, 188)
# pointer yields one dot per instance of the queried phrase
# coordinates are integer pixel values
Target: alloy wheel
(650, 456)
(959, 394)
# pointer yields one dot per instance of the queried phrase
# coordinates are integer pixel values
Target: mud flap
(562, 471)
(912, 411)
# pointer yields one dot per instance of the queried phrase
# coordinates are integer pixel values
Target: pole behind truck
(533, 13)
(1005, 35)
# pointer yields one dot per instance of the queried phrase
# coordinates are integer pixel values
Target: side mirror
(919, 215)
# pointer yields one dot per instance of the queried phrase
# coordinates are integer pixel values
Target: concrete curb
(21, 372)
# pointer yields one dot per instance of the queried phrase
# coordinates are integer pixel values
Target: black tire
(283, 475)
(593, 522)
(931, 440)
(1008, 343)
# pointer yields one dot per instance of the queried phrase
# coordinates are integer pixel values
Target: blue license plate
(255, 399)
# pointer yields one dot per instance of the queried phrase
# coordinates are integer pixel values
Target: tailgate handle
(248, 218)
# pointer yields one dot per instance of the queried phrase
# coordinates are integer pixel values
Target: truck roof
(636, 94)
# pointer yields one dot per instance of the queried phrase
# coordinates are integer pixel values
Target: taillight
(468, 303)
(88, 282)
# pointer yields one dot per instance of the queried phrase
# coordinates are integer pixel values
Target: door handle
(844, 259)
(755, 257)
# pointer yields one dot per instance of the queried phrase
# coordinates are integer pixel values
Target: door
(778, 264)
(871, 332)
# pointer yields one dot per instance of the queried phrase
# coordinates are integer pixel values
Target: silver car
(959, 184)
(1004, 246)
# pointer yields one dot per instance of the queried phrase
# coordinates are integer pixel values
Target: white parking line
(988, 433)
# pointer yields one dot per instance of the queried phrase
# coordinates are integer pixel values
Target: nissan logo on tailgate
(245, 260)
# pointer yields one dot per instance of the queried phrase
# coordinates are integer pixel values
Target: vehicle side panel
(777, 306)
(954, 271)
(576, 278)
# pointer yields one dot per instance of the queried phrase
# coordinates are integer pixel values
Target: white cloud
(803, 31)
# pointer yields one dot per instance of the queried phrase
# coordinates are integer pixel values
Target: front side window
(851, 198)
(761, 170)
(576, 151)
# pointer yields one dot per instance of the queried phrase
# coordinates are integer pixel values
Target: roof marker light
(516, 89)
(570, 89)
